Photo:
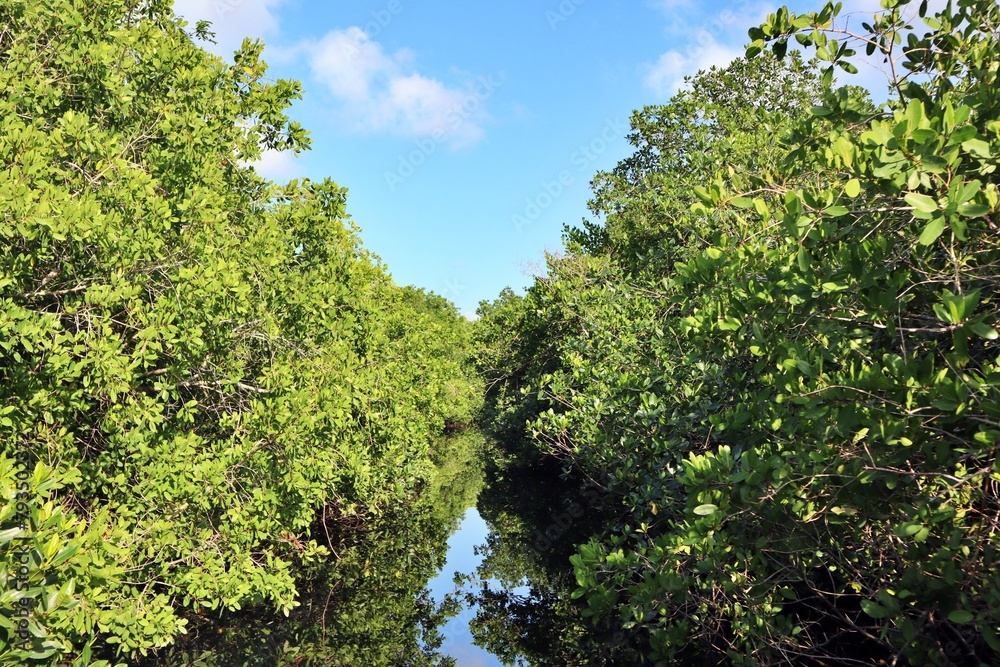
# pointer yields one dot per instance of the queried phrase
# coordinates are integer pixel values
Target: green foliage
(367, 605)
(522, 590)
(783, 362)
(457, 478)
(202, 367)
(513, 344)
(718, 133)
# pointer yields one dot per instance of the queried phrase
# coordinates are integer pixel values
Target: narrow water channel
(388, 594)
(508, 563)
(458, 643)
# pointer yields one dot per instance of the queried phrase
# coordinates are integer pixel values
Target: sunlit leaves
(932, 230)
(207, 358)
(844, 351)
(921, 203)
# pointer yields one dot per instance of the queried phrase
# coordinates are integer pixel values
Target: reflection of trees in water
(523, 588)
(367, 604)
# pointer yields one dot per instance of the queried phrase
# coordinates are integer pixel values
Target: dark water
(518, 597)
(390, 596)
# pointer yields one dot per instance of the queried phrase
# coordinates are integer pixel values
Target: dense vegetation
(368, 604)
(221, 398)
(521, 591)
(769, 376)
(777, 360)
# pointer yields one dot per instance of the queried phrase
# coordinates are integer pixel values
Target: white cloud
(379, 91)
(375, 90)
(232, 20)
(349, 63)
(666, 76)
(702, 40)
(280, 166)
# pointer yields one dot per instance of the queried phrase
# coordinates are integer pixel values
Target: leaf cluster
(210, 365)
(779, 355)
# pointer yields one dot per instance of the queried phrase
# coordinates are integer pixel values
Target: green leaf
(45, 650)
(804, 260)
(943, 314)
(967, 191)
(762, 209)
(959, 226)
(852, 188)
(703, 194)
(932, 231)
(706, 509)
(914, 114)
(64, 554)
(977, 147)
(827, 78)
(962, 134)
(983, 331)
(873, 609)
(9, 534)
(990, 636)
(961, 616)
(973, 210)
(921, 202)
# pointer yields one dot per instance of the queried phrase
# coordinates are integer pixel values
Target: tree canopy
(768, 372)
(202, 373)
(778, 354)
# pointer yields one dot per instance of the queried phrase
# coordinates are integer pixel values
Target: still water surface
(387, 595)
(462, 557)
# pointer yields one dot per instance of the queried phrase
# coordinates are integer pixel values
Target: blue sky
(467, 135)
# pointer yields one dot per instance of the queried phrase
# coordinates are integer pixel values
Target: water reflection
(368, 603)
(463, 557)
(388, 595)
(521, 590)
